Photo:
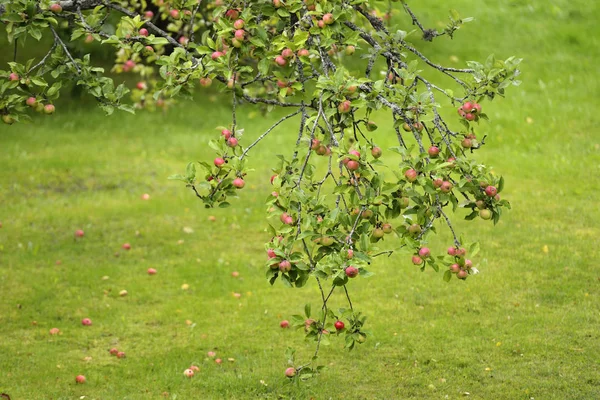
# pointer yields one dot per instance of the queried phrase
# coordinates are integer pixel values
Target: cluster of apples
(470, 111)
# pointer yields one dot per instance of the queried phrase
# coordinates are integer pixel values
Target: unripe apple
(454, 268)
(290, 372)
(411, 175)
(344, 107)
(417, 260)
(281, 61)
(466, 143)
(321, 150)
(414, 229)
(437, 182)
(188, 373)
(126, 246)
(239, 24)
(387, 228)
(446, 187)
(205, 82)
(491, 191)
(55, 8)
(350, 254)
(321, 24)
(232, 142)
(351, 272)
(327, 241)
(284, 324)
(497, 197)
(31, 101)
(86, 322)
(149, 49)
(238, 183)
(141, 86)
(49, 109)
(371, 126)
(424, 252)
(404, 202)
(174, 13)
(183, 40)
(219, 162)
(79, 378)
(285, 266)
(328, 19)
(339, 325)
(480, 204)
(485, 214)
(151, 271)
(277, 3)
(143, 32)
(366, 214)
(273, 178)
(376, 152)
(462, 274)
(433, 151)
(378, 233)
(123, 293)
(350, 50)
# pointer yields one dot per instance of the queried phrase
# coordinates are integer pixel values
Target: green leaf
(447, 276)
(307, 310)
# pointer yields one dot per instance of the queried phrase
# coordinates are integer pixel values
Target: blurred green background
(526, 327)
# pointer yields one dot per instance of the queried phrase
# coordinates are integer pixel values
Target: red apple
(49, 109)
(339, 325)
(238, 183)
(143, 32)
(151, 271)
(54, 331)
(79, 233)
(417, 260)
(446, 187)
(80, 379)
(462, 274)
(31, 101)
(219, 162)
(285, 266)
(491, 191)
(232, 142)
(281, 61)
(114, 351)
(55, 8)
(433, 151)
(121, 354)
(454, 268)
(174, 13)
(328, 19)
(351, 272)
(424, 252)
(353, 165)
(290, 372)
(411, 175)
(126, 246)
(86, 322)
(239, 24)
(376, 152)
(188, 373)
(284, 324)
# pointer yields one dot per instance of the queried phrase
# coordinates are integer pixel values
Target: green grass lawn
(527, 327)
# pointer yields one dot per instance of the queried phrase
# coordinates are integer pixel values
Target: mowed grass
(526, 327)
